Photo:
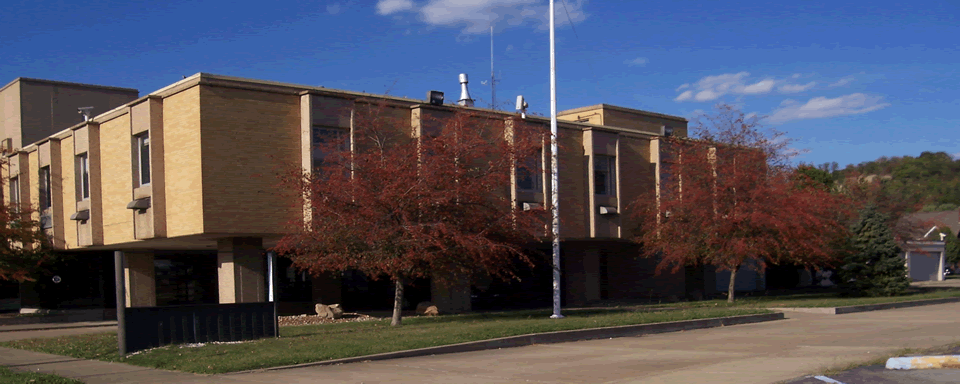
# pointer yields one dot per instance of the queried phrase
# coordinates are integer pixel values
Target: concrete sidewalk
(751, 353)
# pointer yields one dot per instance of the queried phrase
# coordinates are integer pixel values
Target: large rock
(427, 308)
(332, 311)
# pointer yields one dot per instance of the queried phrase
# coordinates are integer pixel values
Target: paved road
(754, 353)
(877, 374)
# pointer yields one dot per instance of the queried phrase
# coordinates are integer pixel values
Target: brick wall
(248, 138)
(181, 126)
(116, 184)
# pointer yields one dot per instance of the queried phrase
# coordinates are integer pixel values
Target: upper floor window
(530, 174)
(15, 193)
(143, 158)
(83, 176)
(46, 199)
(326, 140)
(604, 175)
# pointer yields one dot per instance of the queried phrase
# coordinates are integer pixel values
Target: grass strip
(809, 300)
(311, 343)
(13, 377)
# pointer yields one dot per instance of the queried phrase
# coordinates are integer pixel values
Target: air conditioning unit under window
(605, 210)
(531, 206)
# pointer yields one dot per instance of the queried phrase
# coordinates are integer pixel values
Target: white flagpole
(554, 166)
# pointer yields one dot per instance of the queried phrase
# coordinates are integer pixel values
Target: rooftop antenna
(493, 79)
(465, 100)
(87, 113)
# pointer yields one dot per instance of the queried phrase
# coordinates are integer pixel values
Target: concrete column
(241, 270)
(451, 297)
(140, 279)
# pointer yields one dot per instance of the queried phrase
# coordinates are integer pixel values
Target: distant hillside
(930, 182)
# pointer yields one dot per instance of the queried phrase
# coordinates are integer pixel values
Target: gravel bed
(286, 321)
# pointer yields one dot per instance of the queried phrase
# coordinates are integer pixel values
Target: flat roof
(70, 84)
(619, 108)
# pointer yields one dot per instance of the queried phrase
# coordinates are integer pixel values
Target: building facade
(183, 181)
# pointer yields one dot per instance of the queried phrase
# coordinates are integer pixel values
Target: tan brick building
(181, 180)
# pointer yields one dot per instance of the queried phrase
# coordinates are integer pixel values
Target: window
(143, 158)
(83, 176)
(530, 174)
(15, 193)
(604, 175)
(46, 200)
(325, 140)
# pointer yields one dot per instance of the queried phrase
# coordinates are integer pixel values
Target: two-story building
(183, 181)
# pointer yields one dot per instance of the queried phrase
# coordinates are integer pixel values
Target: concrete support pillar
(451, 297)
(140, 279)
(241, 270)
(327, 288)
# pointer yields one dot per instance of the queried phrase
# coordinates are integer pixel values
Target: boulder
(337, 311)
(431, 311)
(427, 308)
(332, 311)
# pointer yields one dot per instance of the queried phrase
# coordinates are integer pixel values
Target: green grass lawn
(312, 343)
(11, 377)
(827, 298)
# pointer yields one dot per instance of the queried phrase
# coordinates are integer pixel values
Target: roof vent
(465, 100)
(87, 113)
(435, 97)
(666, 131)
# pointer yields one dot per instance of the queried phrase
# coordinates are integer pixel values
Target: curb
(544, 338)
(868, 307)
(48, 326)
(924, 362)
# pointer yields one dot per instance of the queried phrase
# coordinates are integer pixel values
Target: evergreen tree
(875, 267)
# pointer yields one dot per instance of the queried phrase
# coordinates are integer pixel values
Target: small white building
(925, 260)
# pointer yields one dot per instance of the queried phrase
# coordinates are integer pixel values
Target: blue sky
(849, 81)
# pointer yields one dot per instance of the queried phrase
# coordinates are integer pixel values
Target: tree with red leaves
(24, 246)
(433, 204)
(730, 199)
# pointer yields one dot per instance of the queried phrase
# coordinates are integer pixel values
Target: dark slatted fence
(150, 327)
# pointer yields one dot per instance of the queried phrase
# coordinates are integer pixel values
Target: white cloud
(333, 9)
(842, 82)
(386, 7)
(710, 88)
(956, 155)
(821, 107)
(638, 62)
(764, 86)
(713, 87)
(796, 88)
(476, 16)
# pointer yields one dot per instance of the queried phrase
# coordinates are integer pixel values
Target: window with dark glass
(83, 176)
(143, 158)
(326, 140)
(46, 200)
(604, 175)
(530, 174)
(15, 193)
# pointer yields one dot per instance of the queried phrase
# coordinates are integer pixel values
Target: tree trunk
(397, 302)
(733, 282)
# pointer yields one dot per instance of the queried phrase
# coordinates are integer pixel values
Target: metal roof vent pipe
(465, 100)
